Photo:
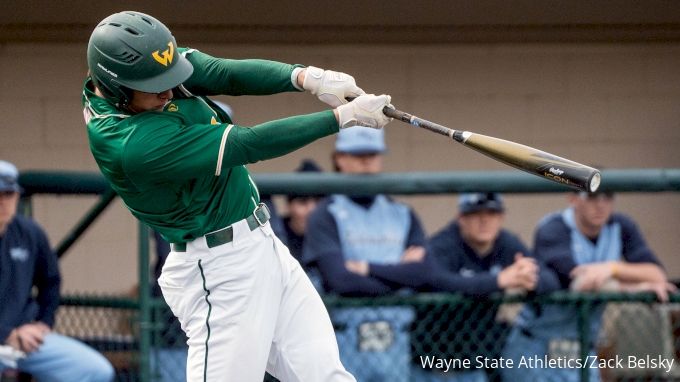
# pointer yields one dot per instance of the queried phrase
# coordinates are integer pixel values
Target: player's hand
(361, 268)
(28, 337)
(331, 87)
(522, 274)
(592, 276)
(365, 110)
(413, 254)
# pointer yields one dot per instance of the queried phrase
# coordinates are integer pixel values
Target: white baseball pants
(247, 306)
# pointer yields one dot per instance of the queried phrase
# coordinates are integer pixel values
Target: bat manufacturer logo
(106, 70)
(557, 178)
(167, 55)
(556, 171)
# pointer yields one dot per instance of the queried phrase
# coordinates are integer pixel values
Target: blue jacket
(553, 244)
(26, 260)
(461, 270)
(322, 248)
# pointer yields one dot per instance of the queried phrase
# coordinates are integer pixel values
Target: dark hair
(307, 165)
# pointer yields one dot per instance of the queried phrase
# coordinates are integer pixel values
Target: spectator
(299, 208)
(587, 245)
(367, 246)
(26, 261)
(475, 256)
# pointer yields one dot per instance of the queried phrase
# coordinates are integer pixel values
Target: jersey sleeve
(47, 280)
(552, 247)
(163, 149)
(213, 76)
(635, 248)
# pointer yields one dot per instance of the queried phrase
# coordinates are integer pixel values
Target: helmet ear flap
(124, 94)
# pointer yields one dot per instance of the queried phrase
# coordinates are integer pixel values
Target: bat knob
(594, 183)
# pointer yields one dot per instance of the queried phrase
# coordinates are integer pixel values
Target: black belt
(258, 218)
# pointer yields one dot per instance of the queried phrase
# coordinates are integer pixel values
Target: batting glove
(331, 87)
(366, 110)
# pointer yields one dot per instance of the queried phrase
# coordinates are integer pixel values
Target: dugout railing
(132, 331)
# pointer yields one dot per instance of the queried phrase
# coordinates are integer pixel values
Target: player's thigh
(304, 347)
(232, 318)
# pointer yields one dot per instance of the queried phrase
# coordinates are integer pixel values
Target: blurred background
(595, 81)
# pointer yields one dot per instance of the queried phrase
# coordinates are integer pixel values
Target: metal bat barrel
(525, 158)
(531, 160)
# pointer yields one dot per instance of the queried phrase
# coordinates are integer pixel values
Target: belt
(258, 218)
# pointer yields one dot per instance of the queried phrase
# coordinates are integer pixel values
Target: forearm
(480, 284)
(49, 303)
(638, 272)
(346, 283)
(411, 275)
(5, 331)
(548, 281)
(276, 138)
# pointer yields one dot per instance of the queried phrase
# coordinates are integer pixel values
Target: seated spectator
(475, 256)
(587, 245)
(367, 245)
(299, 208)
(27, 262)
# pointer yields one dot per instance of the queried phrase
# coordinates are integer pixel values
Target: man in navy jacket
(26, 261)
(476, 257)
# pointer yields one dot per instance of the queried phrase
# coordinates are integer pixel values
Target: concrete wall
(615, 106)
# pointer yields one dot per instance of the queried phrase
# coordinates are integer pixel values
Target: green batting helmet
(132, 50)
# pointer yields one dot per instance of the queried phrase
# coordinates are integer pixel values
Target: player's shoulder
(26, 225)
(321, 208)
(625, 221)
(507, 237)
(552, 227)
(621, 218)
(551, 221)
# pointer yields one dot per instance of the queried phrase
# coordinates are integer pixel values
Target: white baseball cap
(9, 177)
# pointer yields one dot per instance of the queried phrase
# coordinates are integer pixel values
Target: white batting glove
(331, 87)
(366, 110)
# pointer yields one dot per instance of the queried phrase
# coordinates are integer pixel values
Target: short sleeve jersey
(182, 170)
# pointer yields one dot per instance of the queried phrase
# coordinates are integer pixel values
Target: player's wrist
(297, 78)
(614, 268)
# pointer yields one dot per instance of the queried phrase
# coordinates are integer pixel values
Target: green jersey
(182, 170)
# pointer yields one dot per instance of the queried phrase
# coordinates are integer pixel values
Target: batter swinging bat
(525, 158)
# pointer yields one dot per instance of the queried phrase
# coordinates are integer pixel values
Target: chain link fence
(427, 337)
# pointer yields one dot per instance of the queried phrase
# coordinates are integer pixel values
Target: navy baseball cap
(9, 177)
(358, 140)
(468, 203)
(307, 165)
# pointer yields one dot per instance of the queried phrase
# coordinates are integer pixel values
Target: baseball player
(178, 163)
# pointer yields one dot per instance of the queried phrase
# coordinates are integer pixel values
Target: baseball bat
(525, 158)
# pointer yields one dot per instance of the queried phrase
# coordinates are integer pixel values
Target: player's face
(359, 164)
(8, 207)
(592, 211)
(481, 228)
(142, 102)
